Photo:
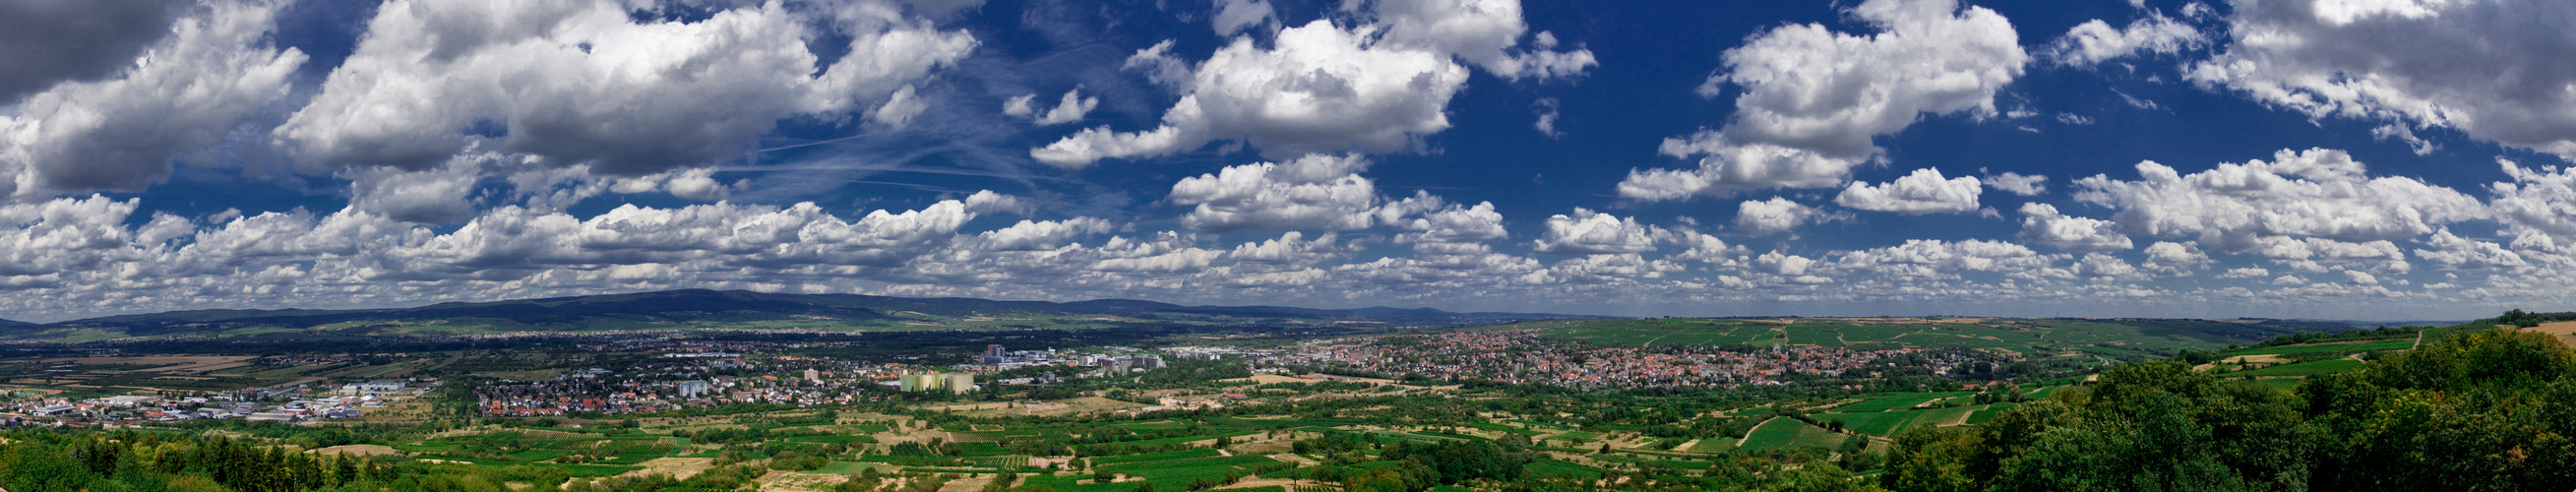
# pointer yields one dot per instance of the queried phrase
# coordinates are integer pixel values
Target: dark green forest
(2482, 410)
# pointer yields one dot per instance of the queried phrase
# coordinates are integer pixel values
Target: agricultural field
(2337, 348)
(2301, 370)
(1787, 433)
(1898, 401)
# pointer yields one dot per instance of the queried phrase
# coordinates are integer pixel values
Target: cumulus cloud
(214, 69)
(1931, 259)
(2018, 184)
(2318, 193)
(1040, 235)
(52, 41)
(1291, 248)
(1319, 89)
(2489, 69)
(1922, 192)
(2041, 224)
(1314, 192)
(1377, 86)
(1454, 225)
(2458, 253)
(1813, 99)
(1586, 232)
(580, 82)
(1070, 109)
(1235, 16)
(1773, 216)
(2542, 200)
(2175, 259)
(431, 196)
(2095, 41)
(1483, 32)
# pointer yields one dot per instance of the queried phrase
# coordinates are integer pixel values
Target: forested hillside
(2484, 410)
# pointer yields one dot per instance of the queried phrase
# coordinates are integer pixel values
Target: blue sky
(2313, 159)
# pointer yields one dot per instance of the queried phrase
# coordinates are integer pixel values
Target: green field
(2329, 348)
(1788, 433)
(2303, 369)
(1886, 424)
(1990, 412)
(1899, 401)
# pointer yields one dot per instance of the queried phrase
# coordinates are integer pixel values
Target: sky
(2322, 159)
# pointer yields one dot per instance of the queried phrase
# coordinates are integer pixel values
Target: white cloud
(431, 196)
(1319, 89)
(2542, 200)
(1608, 268)
(1071, 108)
(1454, 225)
(1777, 263)
(1767, 217)
(2095, 41)
(2176, 259)
(1377, 86)
(2403, 134)
(2490, 69)
(1546, 124)
(2458, 253)
(1590, 233)
(1291, 248)
(1813, 99)
(1040, 235)
(1922, 192)
(2318, 193)
(2246, 272)
(1313, 192)
(2018, 184)
(580, 82)
(1484, 32)
(1235, 16)
(186, 93)
(2102, 265)
(2040, 223)
(1936, 259)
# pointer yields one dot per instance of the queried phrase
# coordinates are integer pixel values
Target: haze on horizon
(2322, 159)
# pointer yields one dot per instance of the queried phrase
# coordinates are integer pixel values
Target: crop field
(2330, 348)
(1989, 413)
(2114, 337)
(2303, 369)
(1787, 433)
(1888, 424)
(1899, 401)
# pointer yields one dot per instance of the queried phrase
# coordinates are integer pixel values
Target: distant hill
(740, 309)
(14, 324)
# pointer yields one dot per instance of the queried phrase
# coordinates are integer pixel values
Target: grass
(1874, 423)
(1136, 458)
(1788, 433)
(2303, 369)
(2330, 348)
(1898, 401)
(1990, 412)
(1576, 436)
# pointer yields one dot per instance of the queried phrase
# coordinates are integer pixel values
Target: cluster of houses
(1521, 356)
(352, 400)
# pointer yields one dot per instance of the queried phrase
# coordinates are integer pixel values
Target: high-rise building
(693, 389)
(993, 355)
(813, 376)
